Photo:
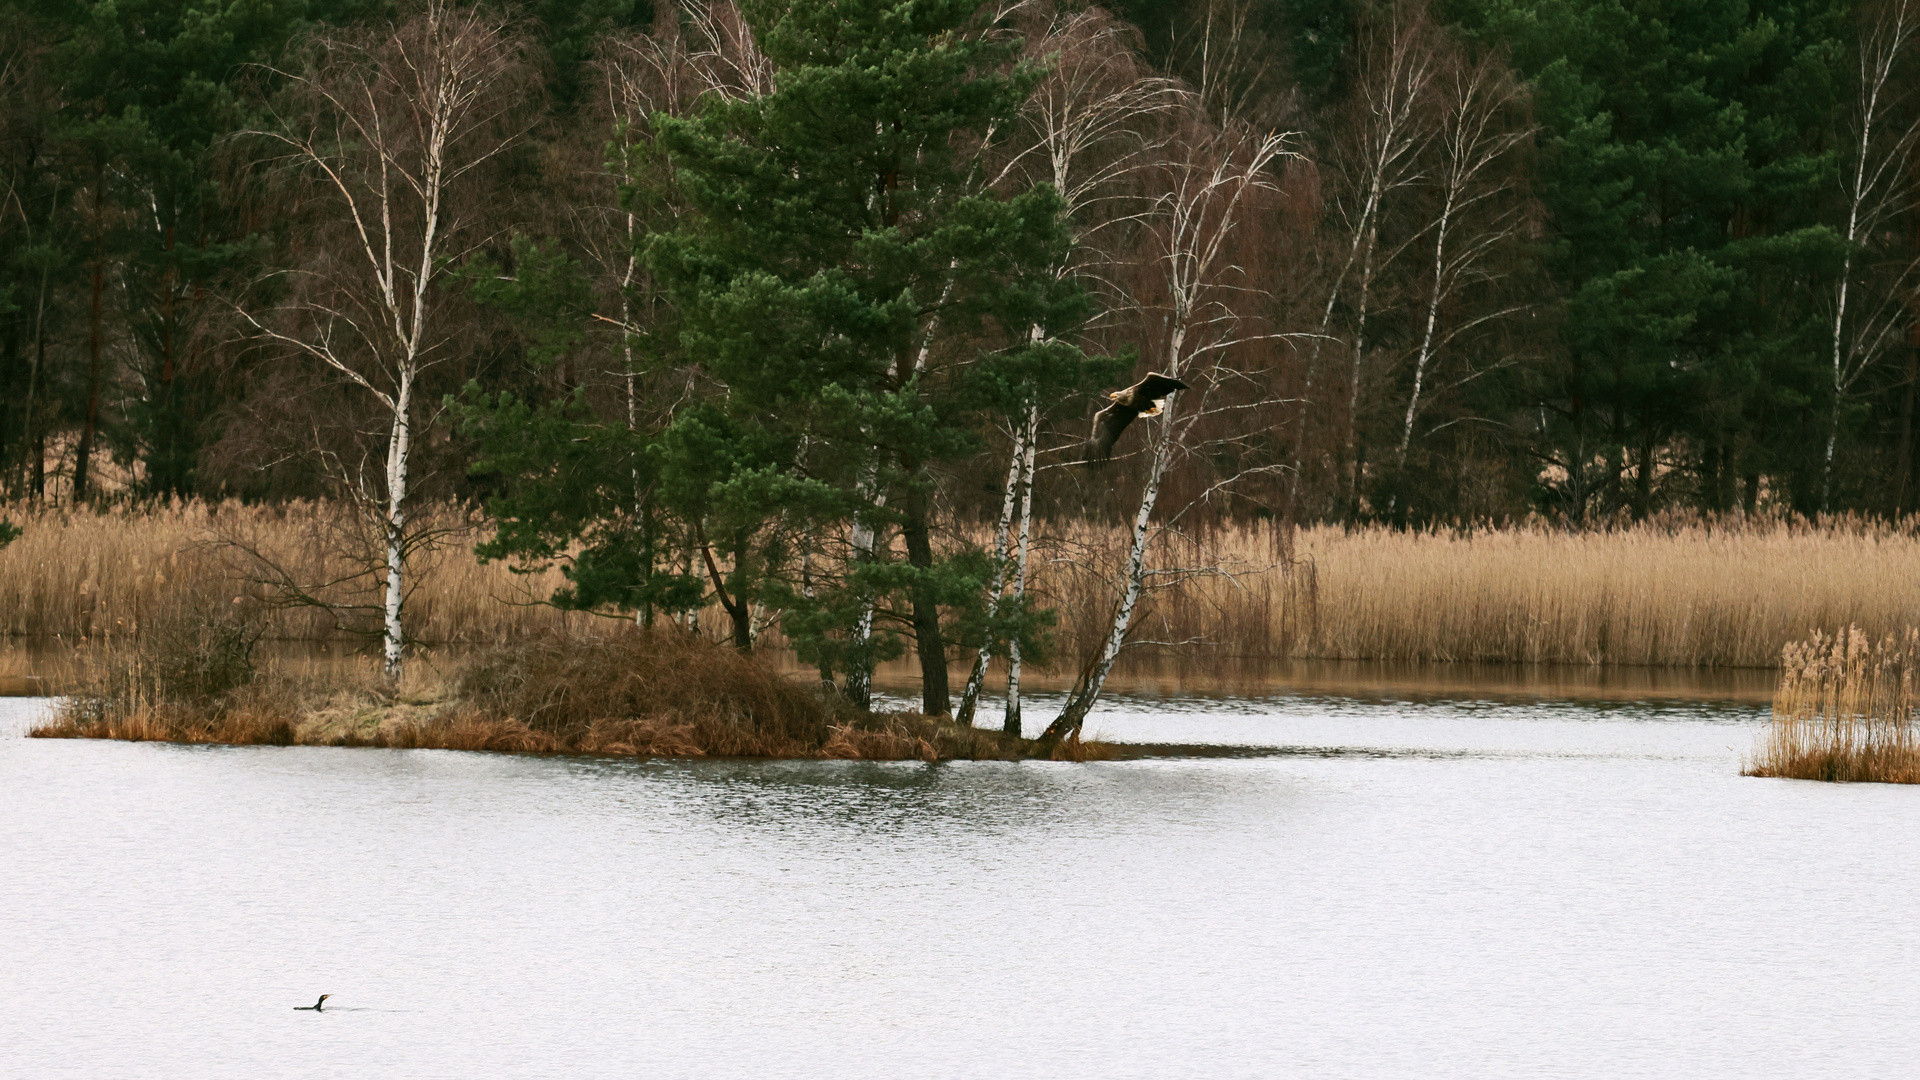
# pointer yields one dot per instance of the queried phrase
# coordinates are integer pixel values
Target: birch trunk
(1088, 688)
(399, 447)
(1433, 318)
(1877, 189)
(970, 694)
(1353, 385)
(1010, 723)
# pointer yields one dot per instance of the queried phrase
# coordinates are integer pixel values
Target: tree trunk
(1010, 723)
(1643, 480)
(934, 699)
(1087, 689)
(30, 424)
(83, 453)
(1425, 355)
(399, 448)
(1353, 382)
(977, 677)
(866, 546)
(1903, 456)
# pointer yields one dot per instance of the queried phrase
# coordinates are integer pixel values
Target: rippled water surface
(1405, 890)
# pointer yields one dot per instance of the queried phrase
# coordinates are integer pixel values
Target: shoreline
(34, 668)
(881, 737)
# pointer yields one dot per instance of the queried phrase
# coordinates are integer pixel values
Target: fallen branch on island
(665, 694)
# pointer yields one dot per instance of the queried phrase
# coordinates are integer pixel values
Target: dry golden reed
(1845, 711)
(81, 574)
(1684, 594)
(1727, 593)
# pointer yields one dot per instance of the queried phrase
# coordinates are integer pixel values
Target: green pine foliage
(857, 304)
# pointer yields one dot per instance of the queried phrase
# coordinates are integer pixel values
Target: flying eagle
(1143, 398)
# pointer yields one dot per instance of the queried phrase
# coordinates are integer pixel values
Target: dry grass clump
(1845, 711)
(651, 693)
(191, 651)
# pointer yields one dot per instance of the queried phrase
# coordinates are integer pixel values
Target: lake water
(1400, 889)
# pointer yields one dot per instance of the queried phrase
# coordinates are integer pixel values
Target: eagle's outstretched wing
(1142, 397)
(1156, 386)
(1108, 423)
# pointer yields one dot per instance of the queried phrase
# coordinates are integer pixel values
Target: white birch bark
(1877, 186)
(1210, 182)
(977, 676)
(396, 123)
(399, 449)
(1010, 722)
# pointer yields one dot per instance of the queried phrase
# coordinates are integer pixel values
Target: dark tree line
(758, 307)
(1676, 268)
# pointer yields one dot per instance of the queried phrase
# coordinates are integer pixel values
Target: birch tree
(1376, 154)
(1478, 214)
(1087, 129)
(1877, 184)
(1212, 180)
(386, 135)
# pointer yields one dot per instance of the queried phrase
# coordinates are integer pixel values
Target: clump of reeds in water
(1844, 711)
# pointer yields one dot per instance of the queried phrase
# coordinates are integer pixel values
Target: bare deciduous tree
(1212, 179)
(1375, 155)
(1477, 216)
(386, 134)
(1096, 120)
(1878, 183)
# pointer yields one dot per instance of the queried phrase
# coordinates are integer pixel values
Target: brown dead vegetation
(1845, 711)
(1686, 592)
(663, 694)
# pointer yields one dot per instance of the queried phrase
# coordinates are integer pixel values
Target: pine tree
(854, 286)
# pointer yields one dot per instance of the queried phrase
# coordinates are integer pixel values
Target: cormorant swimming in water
(315, 1007)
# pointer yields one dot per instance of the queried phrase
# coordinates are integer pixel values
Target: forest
(800, 312)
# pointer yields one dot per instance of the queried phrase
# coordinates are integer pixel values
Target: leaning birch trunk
(1010, 723)
(970, 695)
(1087, 689)
(1193, 221)
(1433, 318)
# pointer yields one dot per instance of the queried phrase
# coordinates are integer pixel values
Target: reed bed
(1845, 711)
(1680, 593)
(81, 574)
